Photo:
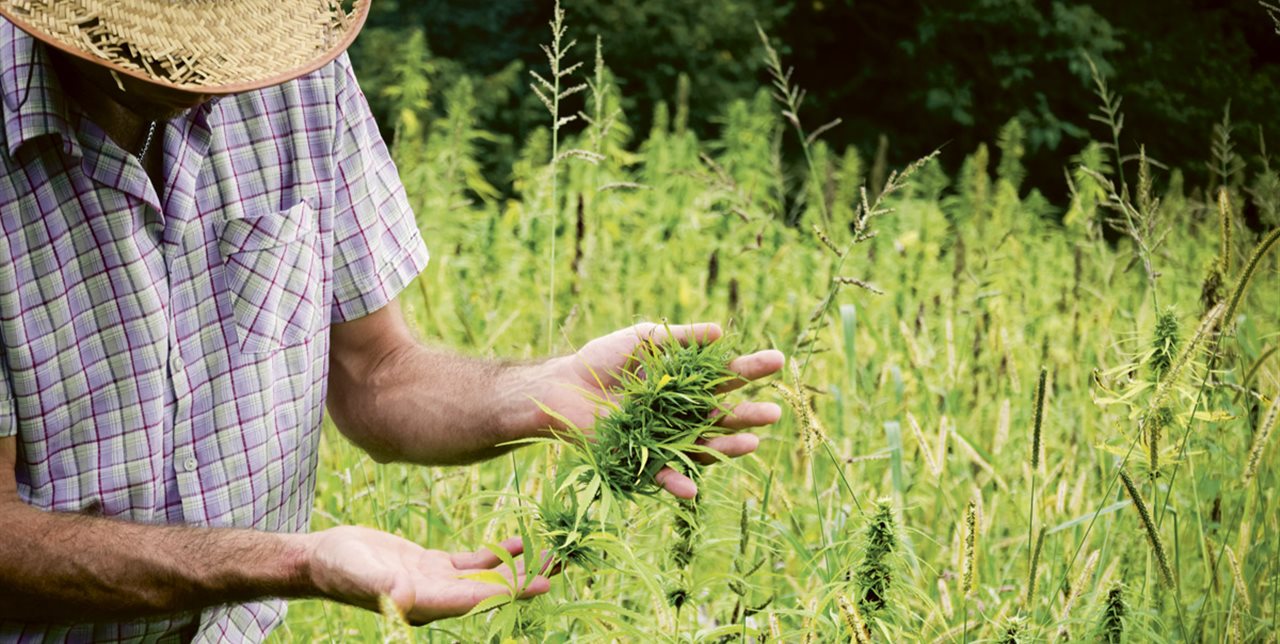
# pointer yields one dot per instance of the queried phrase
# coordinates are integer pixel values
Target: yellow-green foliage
(951, 339)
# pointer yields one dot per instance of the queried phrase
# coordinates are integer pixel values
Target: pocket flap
(256, 232)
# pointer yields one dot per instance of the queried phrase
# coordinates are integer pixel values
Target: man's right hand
(357, 565)
(59, 566)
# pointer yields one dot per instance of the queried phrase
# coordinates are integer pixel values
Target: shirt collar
(31, 100)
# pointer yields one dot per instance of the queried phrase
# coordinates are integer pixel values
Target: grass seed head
(1031, 574)
(1149, 526)
(744, 530)
(811, 432)
(970, 547)
(394, 625)
(944, 600)
(925, 450)
(1039, 418)
(1225, 219)
(1237, 580)
(1240, 609)
(1260, 438)
(1074, 592)
(1246, 276)
(853, 619)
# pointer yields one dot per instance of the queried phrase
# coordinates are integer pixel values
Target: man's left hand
(579, 381)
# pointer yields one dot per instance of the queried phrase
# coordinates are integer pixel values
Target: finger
(483, 558)
(501, 568)
(750, 414)
(546, 564)
(731, 446)
(459, 597)
(537, 586)
(701, 333)
(550, 565)
(519, 577)
(753, 367)
(677, 484)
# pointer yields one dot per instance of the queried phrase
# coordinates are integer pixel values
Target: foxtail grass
(1033, 553)
(775, 628)
(1260, 439)
(970, 548)
(1030, 597)
(1237, 579)
(1038, 422)
(944, 600)
(1240, 607)
(934, 465)
(1073, 593)
(811, 432)
(1246, 276)
(395, 627)
(1149, 527)
(858, 630)
(1002, 426)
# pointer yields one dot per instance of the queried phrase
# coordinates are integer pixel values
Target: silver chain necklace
(146, 145)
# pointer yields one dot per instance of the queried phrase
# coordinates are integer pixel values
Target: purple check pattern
(164, 356)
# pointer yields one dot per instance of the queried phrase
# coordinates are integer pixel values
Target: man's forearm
(431, 407)
(57, 567)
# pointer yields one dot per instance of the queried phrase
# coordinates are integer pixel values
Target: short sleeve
(378, 249)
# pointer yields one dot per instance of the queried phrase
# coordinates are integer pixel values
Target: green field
(921, 323)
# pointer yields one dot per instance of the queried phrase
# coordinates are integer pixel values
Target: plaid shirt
(163, 358)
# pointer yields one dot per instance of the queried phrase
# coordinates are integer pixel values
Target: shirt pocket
(274, 275)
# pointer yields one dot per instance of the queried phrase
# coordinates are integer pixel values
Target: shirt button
(176, 363)
(190, 464)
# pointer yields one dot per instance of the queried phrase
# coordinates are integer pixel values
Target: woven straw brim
(203, 46)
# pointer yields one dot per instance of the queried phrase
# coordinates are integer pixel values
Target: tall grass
(1000, 311)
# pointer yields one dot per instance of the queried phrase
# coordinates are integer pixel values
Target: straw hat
(203, 46)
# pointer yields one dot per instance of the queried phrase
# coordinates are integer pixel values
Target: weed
(875, 572)
(978, 282)
(1114, 614)
(667, 402)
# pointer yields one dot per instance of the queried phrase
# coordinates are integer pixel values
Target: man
(201, 240)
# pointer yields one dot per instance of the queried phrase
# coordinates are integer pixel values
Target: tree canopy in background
(922, 73)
